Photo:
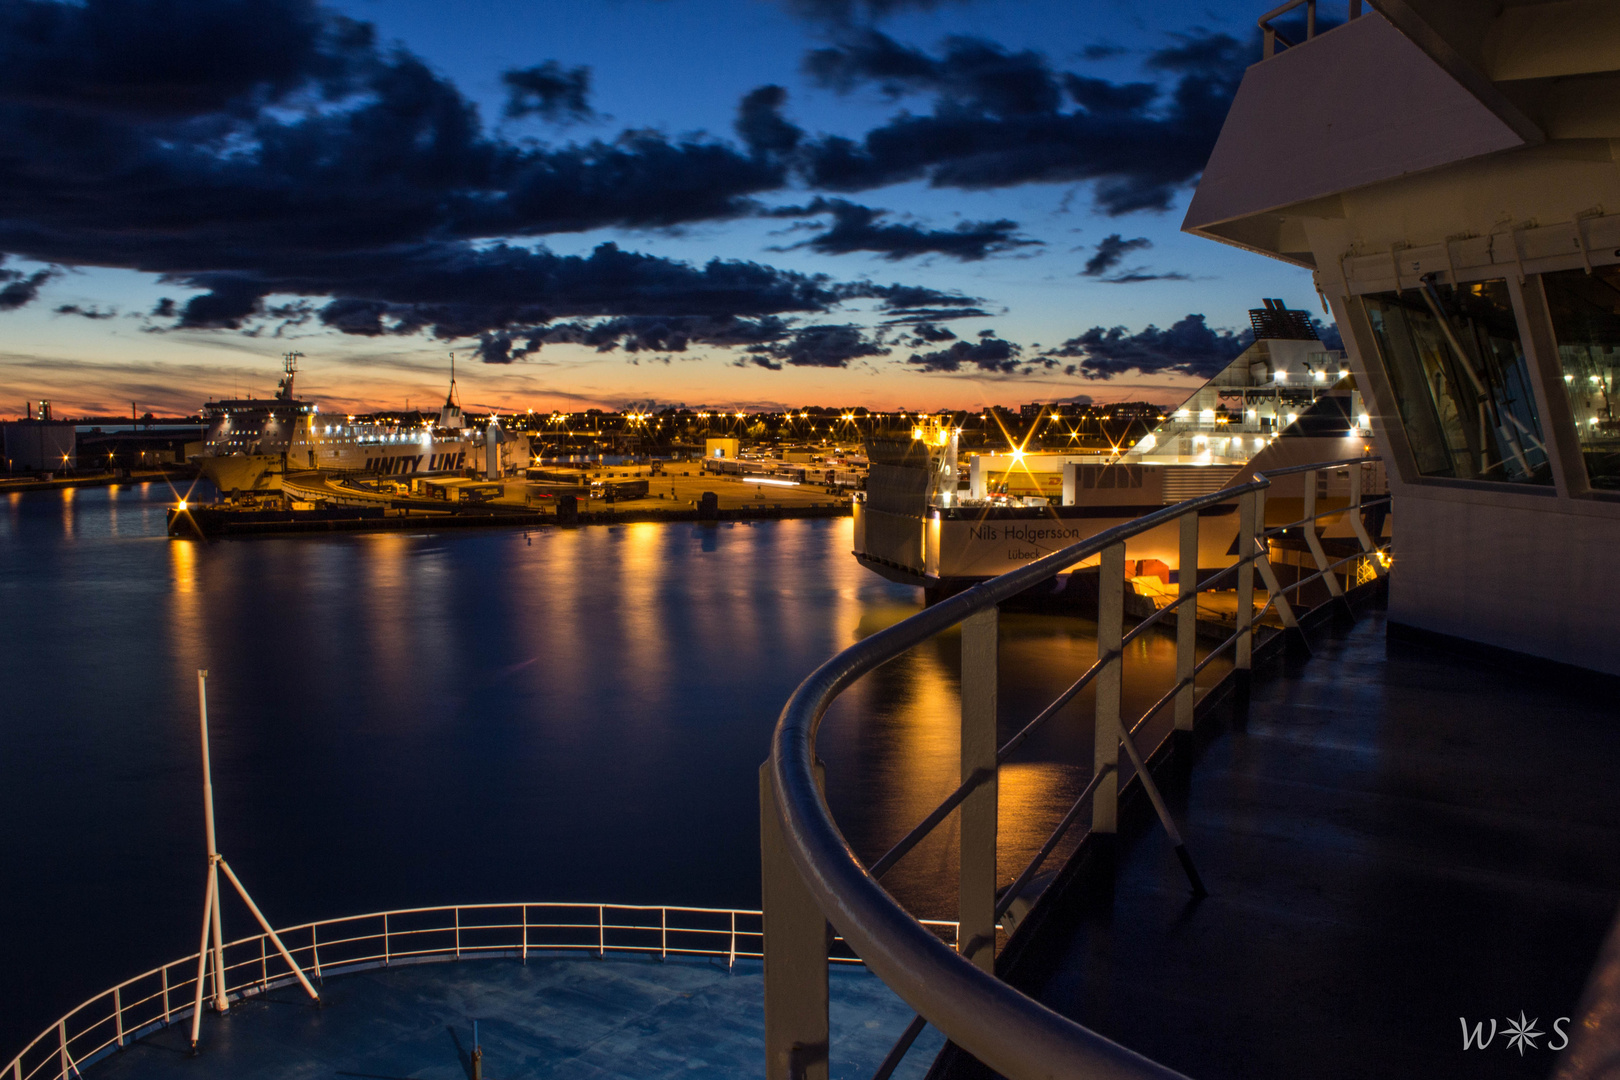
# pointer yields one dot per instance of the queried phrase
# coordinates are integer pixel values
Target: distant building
(40, 446)
(722, 448)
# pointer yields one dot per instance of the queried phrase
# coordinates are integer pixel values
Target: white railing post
(386, 956)
(315, 949)
(663, 933)
(601, 931)
(165, 996)
(264, 964)
(118, 1015)
(524, 949)
(1187, 622)
(1329, 577)
(731, 953)
(1243, 649)
(458, 933)
(1110, 630)
(795, 948)
(16, 1067)
(62, 1042)
(976, 896)
(1262, 562)
(1368, 545)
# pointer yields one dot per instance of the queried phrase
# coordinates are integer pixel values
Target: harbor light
(181, 506)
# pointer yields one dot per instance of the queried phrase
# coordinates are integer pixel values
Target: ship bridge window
(1459, 374)
(1585, 311)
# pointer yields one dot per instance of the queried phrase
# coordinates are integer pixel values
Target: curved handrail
(146, 1002)
(1006, 1030)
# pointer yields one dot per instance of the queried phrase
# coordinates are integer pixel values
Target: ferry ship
(252, 443)
(1286, 400)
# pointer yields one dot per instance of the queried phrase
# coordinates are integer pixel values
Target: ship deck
(566, 1017)
(1396, 837)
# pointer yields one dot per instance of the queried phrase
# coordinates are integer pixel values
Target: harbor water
(563, 714)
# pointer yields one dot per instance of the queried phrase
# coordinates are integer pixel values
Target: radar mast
(289, 369)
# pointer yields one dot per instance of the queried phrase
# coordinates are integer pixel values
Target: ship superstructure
(253, 442)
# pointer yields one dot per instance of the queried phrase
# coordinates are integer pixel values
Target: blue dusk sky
(739, 203)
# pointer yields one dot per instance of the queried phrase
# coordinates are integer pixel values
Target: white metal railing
(812, 877)
(155, 999)
(1273, 37)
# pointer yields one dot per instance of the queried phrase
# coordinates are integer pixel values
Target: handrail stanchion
(165, 998)
(731, 953)
(1187, 621)
(1367, 543)
(62, 1041)
(1110, 629)
(1243, 649)
(663, 933)
(386, 957)
(118, 1015)
(315, 949)
(1335, 590)
(976, 898)
(524, 949)
(458, 933)
(795, 948)
(1268, 573)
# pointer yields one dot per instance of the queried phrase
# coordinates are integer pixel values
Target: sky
(734, 203)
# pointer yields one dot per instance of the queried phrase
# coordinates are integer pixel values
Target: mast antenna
(211, 897)
(289, 368)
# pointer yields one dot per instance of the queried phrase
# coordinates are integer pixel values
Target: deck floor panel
(562, 1017)
(1395, 838)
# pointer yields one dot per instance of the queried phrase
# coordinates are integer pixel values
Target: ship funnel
(493, 437)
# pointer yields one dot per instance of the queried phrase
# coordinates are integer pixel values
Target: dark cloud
(998, 119)
(861, 228)
(988, 354)
(86, 312)
(1329, 333)
(761, 125)
(1110, 251)
(1189, 347)
(928, 333)
(549, 91)
(256, 149)
(912, 299)
(1134, 277)
(817, 346)
(1102, 51)
(851, 12)
(19, 288)
(973, 74)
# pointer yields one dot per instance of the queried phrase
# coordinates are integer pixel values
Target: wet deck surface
(564, 1017)
(1395, 839)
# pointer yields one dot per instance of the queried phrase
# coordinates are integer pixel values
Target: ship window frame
(1528, 320)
